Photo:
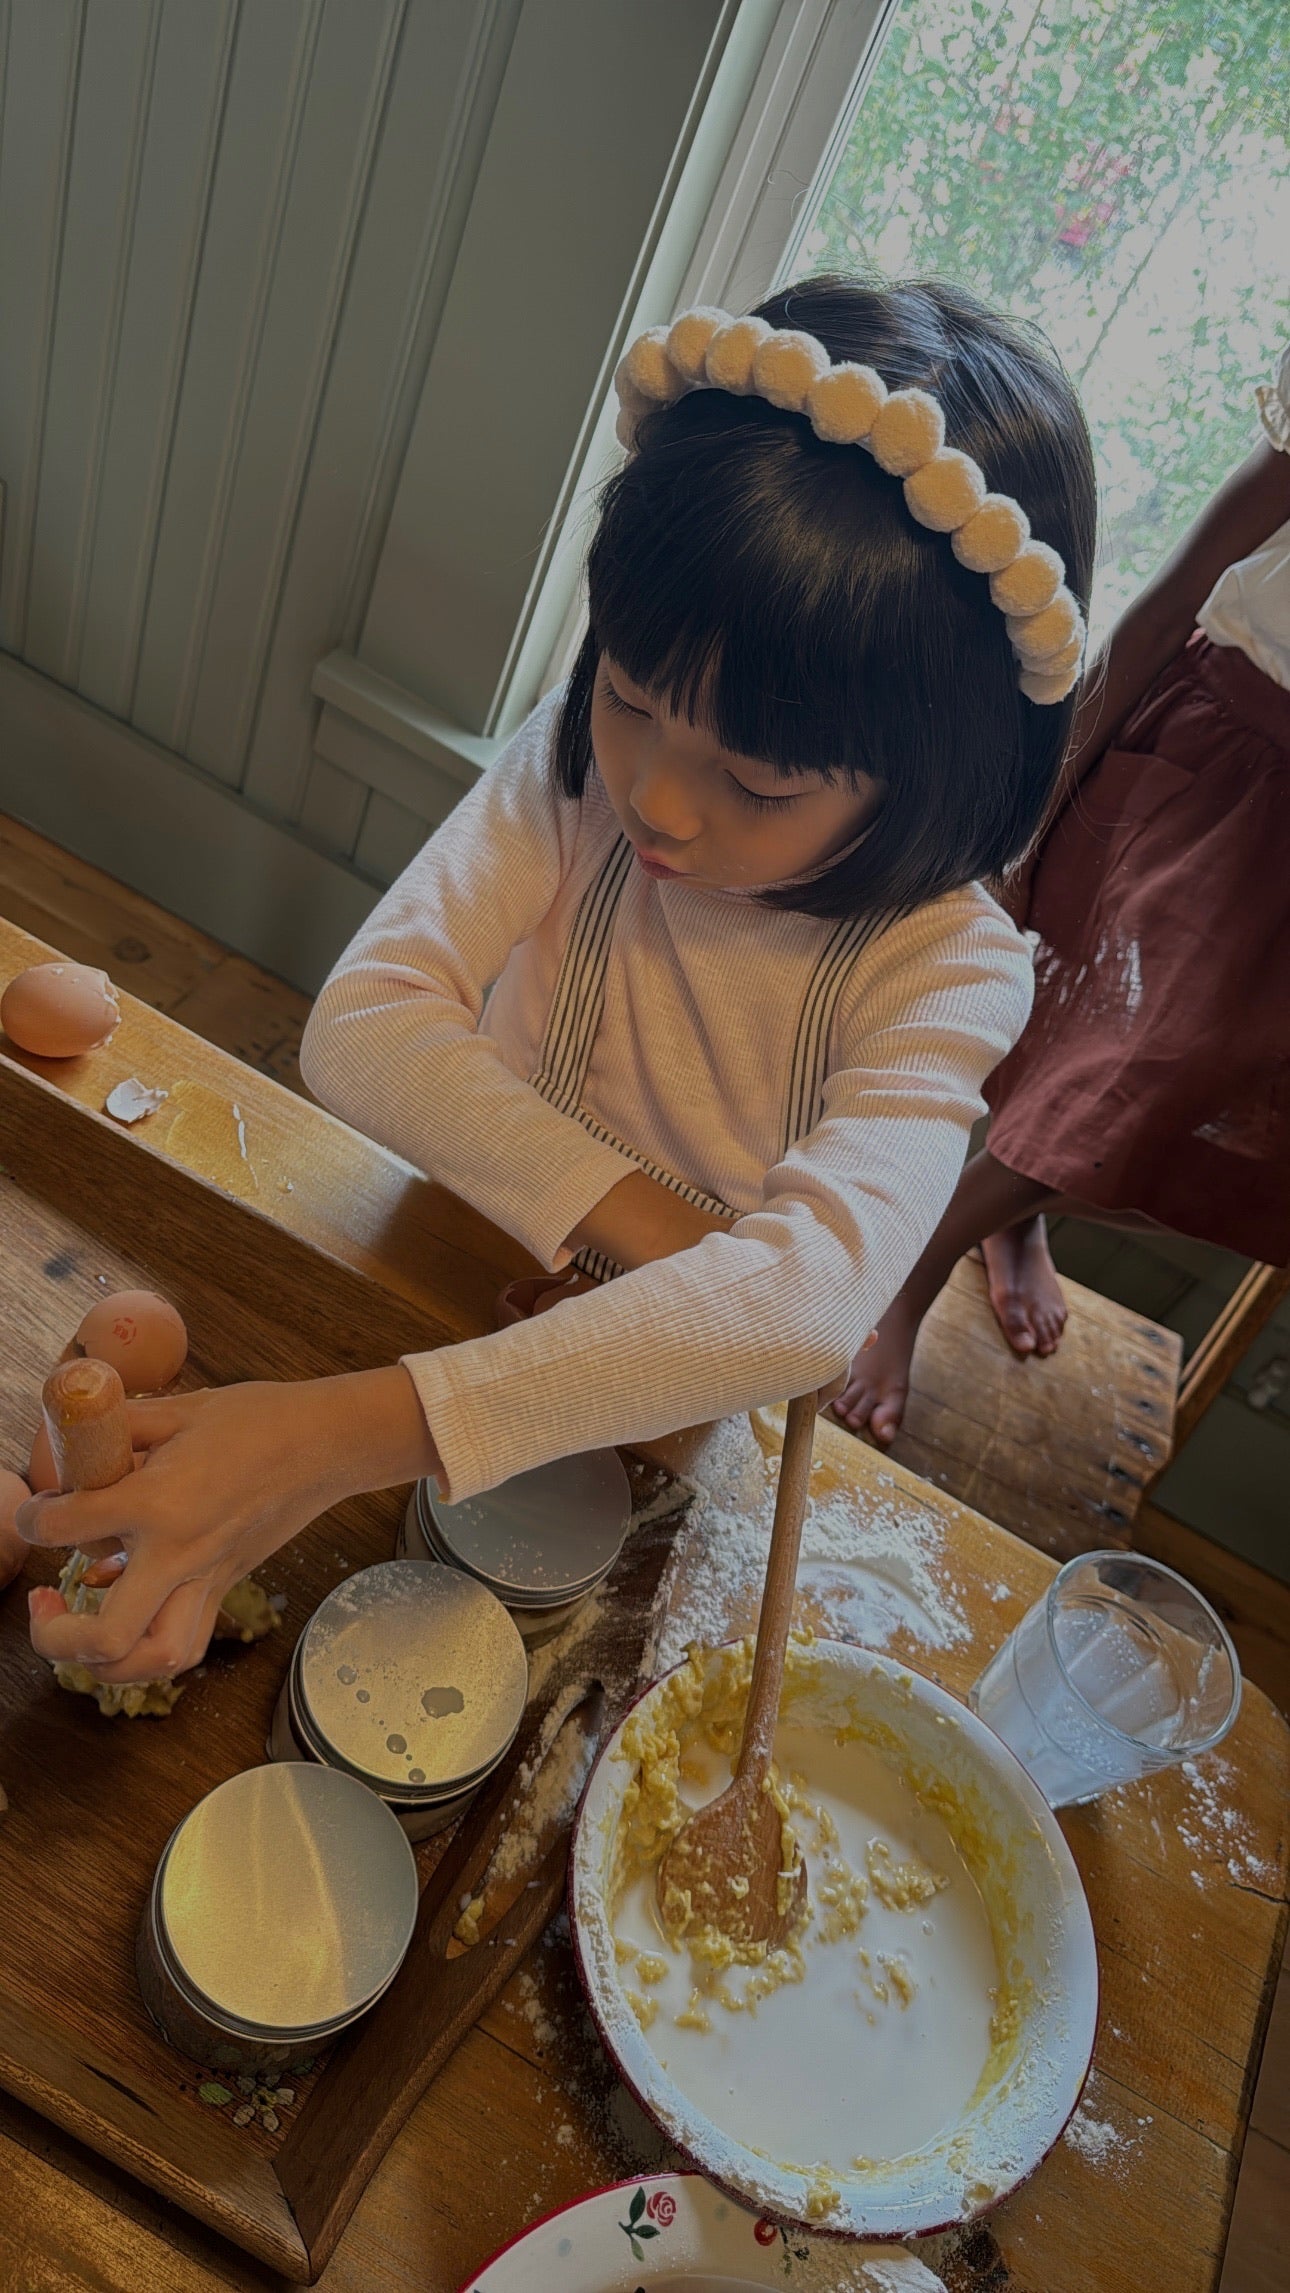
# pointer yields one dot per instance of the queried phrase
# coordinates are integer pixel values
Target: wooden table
(1187, 1876)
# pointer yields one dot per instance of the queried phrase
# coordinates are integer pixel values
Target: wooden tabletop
(1186, 1876)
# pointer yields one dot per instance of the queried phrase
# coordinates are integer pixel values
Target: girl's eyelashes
(756, 803)
(614, 700)
(759, 803)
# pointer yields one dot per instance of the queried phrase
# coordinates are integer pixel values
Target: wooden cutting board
(87, 1208)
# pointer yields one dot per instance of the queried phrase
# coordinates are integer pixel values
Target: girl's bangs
(725, 626)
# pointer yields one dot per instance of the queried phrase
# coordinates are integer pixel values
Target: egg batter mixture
(869, 2033)
(246, 1614)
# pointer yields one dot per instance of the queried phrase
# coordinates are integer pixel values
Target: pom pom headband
(904, 430)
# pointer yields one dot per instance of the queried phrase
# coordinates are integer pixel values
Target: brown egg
(59, 1010)
(13, 1548)
(140, 1334)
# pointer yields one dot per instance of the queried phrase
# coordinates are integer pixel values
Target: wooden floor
(223, 997)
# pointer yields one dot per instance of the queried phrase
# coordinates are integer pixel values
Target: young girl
(1152, 1086)
(747, 986)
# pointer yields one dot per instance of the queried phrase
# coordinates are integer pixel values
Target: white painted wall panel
(263, 117)
(185, 114)
(333, 806)
(114, 81)
(227, 229)
(391, 836)
(262, 262)
(418, 195)
(40, 60)
(341, 119)
(589, 116)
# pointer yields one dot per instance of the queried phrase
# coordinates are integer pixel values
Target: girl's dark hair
(777, 590)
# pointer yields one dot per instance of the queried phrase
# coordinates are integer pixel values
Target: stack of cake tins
(411, 1677)
(541, 1542)
(281, 1911)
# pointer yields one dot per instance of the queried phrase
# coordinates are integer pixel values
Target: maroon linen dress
(1154, 1075)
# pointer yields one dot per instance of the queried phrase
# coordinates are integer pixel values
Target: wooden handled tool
(89, 1434)
(729, 1857)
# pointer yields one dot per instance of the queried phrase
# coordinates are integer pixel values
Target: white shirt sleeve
(393, 1043)
(1273, 402)
(780, 1302)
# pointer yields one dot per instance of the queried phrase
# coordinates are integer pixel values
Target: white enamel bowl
(1023, 1868)
(676, 2232)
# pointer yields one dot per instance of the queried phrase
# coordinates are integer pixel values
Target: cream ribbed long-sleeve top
(683, 1029)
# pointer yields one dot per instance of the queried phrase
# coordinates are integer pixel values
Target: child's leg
(990, 1200)
(1024, 1290)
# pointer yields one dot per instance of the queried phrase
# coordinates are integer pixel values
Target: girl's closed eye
(615, 701)
(758, 802)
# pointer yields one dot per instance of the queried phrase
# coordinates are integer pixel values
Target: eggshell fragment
(140, 1334)
(132, 1100)
(59, 1010)
(13, 1548)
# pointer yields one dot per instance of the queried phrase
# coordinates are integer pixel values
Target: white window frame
(784, 80)
(788, 148)
(789, 141)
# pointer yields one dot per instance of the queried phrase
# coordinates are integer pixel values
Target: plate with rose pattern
(675, 2233)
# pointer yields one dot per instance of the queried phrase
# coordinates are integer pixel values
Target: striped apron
(578, 1003)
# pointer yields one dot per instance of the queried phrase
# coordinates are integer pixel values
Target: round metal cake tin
(281, 1909)
(541, 1542)
(412, 1678)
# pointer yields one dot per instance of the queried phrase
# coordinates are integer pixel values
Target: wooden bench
(1059, 1451)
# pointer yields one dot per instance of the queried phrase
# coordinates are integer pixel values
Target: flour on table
(1097, 2139)
(870, 1566)
(1215, 1831)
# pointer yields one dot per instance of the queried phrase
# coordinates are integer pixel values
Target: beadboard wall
(305, 306)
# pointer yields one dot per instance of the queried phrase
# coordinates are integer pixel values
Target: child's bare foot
(1024, 1290)
(878, 1386)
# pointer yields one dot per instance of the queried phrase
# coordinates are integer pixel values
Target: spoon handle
(781, 1579)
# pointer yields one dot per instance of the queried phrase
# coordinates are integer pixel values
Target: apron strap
(815, 1023)
(577, 1007)
(579, 998)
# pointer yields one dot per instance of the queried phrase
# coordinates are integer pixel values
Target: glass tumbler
(1121, 1669)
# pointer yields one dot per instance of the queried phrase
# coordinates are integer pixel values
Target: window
(1117, 171)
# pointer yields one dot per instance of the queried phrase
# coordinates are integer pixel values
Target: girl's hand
(537, 1293)
(231, 1474)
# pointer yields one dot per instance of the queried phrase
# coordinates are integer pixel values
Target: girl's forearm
(372, 1431)
(640, 1220)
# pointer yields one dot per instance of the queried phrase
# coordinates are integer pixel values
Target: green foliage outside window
(1118, 172)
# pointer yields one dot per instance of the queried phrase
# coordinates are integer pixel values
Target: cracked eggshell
(140, 1334)
(59, 1010)
(13, 1548)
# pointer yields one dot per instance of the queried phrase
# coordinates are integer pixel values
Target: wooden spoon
(729, 1857)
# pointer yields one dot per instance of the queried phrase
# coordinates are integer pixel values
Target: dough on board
(247, 1615)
